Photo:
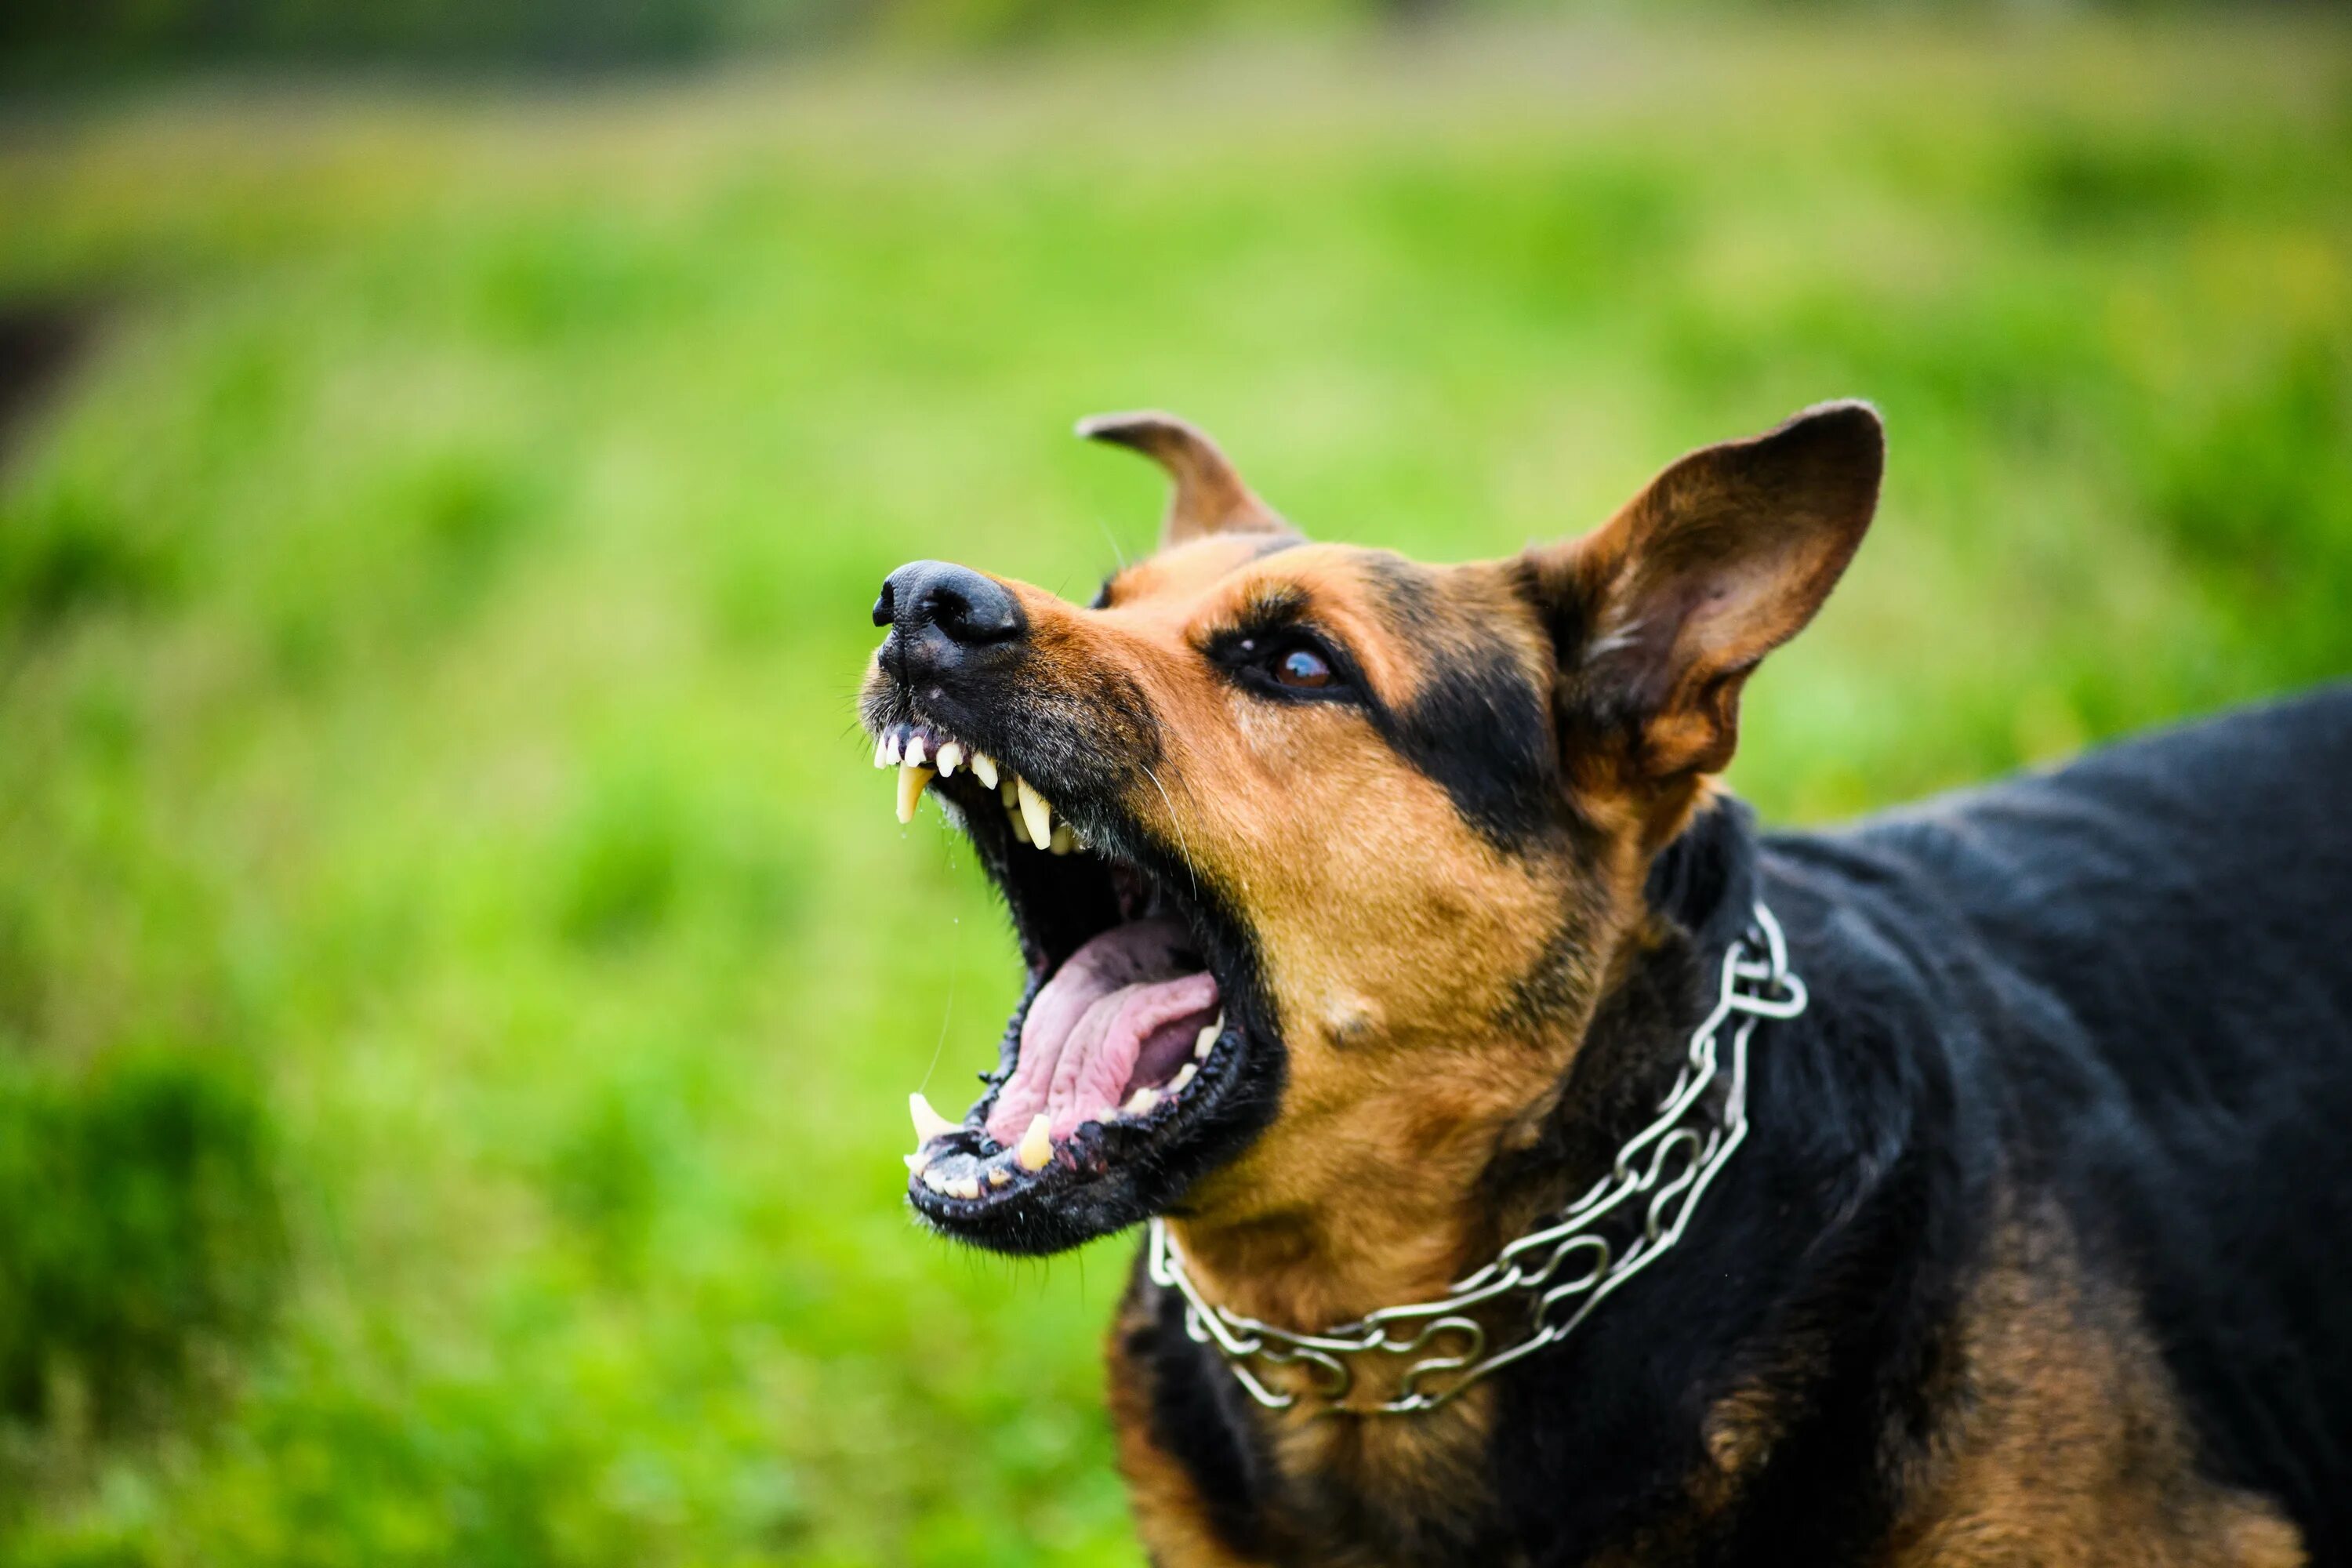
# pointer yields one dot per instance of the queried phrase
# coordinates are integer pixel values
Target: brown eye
(1301, 668)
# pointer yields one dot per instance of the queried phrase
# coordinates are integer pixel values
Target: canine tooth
(929, 1123)
(915, 750)
(983, 768)
(1140, 1102)
(911, 780)
(1207, 1039)
(1184, 1076)
(1066, 839)
(1036, 1145)
(949, 758)
(1020, 829)
(998, 1175)
(1039, 814)
(917, 1161)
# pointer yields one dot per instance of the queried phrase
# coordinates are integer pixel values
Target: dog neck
(1389, 1227)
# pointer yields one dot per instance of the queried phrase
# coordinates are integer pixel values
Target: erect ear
(1209, 496)
(1659, 614)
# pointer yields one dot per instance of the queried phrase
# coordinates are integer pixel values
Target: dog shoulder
(2063, 1439)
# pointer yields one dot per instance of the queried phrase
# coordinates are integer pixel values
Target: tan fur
(2067, 1448)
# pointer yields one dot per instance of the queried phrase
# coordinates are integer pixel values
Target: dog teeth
(929, 1123)
(917, 1161)
(998, 1175)
(912, 778)
(1038, 814)
(920, 756)
(1206, 1041)
(1036, 1147)
(1184, 1075)
(952, 1186)
(1140, 1102)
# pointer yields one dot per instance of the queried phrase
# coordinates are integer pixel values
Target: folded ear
(1209, 496)
(1659, 614)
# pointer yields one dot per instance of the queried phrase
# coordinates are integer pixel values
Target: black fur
(1480, 727)
(2124, 989)
(1199, 1424)
(1480, 730)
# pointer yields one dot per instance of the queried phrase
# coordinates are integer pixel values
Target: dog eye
(1302, 667)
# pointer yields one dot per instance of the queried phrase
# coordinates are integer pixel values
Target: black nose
(965, 610)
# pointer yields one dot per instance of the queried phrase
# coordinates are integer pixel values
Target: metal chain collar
(1563, 1269)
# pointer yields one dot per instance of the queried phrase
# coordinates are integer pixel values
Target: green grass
(460, 978)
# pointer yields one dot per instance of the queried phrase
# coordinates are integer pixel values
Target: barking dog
(1544, 1167)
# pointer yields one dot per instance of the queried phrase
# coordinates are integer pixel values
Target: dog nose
(946, 611)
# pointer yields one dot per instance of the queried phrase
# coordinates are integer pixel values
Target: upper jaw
(923, 753)
(1036, 1192)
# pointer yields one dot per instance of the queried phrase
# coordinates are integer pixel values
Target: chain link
(1563, 1270)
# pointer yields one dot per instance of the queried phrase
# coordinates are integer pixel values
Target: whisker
(1178, 823)
(1112, 540)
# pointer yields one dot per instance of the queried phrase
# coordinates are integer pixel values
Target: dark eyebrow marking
(1477, 726)
(1272, 608)
(1403, 593)
(1479, 730)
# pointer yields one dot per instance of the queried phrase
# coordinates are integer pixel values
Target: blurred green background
(460, 977)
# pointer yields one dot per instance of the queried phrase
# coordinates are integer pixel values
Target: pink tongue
(1088, 1025)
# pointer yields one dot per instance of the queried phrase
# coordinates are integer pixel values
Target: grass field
(460, 977)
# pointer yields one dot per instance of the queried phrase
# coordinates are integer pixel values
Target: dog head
(1319, 858)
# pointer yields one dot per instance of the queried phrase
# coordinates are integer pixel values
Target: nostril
(971, 608)
(956, 615)
(963, 605)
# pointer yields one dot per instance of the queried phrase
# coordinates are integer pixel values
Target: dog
(1543, 1165)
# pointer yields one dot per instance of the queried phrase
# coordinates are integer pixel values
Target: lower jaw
(1106, 1179)
(967, 1163)
(1036, 1223)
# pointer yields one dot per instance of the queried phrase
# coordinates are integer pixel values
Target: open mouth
(1127, 1068)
